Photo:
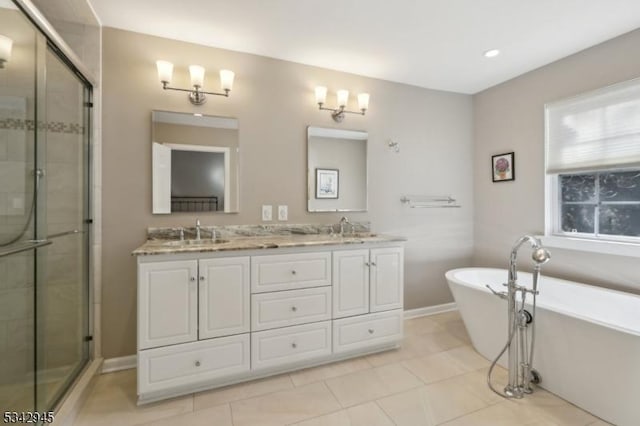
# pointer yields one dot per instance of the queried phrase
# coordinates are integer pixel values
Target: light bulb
(363, 101)
(197, 75)
(226, 79)
(321, 94)
(165, 70)
(343, 98)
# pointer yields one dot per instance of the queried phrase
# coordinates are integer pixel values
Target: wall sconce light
(5, 49)
(196, 95)
(343, 98)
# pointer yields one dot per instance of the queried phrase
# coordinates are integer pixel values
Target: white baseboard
(121, 363)
(429, 310)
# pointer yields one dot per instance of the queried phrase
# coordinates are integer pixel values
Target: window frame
(555, 237)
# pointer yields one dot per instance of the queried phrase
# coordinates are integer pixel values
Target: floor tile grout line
(231, 413)
(334, 377)
(384, 412)
(324, 382)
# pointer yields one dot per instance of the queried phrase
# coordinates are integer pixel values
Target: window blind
(594, 131)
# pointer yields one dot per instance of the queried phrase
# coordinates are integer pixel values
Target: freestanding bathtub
(587, 346)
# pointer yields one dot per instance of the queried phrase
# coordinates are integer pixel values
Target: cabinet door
(387, 278)
(167, 303)
(350, 283)
(224, 297)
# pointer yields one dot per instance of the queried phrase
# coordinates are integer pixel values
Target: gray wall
(274, 102)
(510, 117)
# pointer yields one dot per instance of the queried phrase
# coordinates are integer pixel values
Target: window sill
(595, 246)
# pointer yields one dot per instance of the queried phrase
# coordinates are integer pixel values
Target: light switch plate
(283, 213)
(267, 213)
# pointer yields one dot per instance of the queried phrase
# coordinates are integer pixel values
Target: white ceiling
(437, 44)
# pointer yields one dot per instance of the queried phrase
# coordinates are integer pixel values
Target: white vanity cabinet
(224, 301)
(386, 278)
(367, 281)
(167, 303)
(211, 319)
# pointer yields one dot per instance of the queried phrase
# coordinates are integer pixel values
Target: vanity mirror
(195, 163)
(336, 170)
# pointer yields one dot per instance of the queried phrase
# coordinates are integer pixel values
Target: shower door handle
(62, 234)
(24, 247)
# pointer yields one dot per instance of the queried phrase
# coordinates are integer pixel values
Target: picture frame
(327, 183)
(503, 167)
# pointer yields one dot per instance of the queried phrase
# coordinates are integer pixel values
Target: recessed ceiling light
(491, 53)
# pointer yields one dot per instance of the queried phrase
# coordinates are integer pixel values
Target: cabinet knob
(366, 264)
(293, 272)
(192, 279)
(293, 308)
(201, 278)
(371, 331)
(293, 345)
(373, 263)
(197, 363)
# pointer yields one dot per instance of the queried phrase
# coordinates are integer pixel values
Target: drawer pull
(197, 363)
(293, 272)
(293, 308)
(293, 345)
(371, 331)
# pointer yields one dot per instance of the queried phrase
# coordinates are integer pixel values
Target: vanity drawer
(290, 271)
(351, 334)
(285, 308)
(191, 363)
(290, 345)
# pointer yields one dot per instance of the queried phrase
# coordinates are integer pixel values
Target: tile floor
(435, 378)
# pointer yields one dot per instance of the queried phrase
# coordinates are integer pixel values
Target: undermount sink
(203, 242)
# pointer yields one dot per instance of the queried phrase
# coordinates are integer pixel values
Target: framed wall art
(327, 183)
(503, 167)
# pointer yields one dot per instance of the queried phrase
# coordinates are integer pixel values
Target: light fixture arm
(338, 113)
(196, 96)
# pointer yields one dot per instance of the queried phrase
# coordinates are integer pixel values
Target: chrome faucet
(343, 220)
(519, 347)
(197, 229)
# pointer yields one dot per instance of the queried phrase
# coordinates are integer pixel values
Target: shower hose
(38, 174)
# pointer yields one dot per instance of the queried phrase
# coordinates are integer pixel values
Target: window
(601, 203)
(593, 164)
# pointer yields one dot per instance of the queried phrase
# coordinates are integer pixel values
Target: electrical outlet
(283, 213)
(267, 213)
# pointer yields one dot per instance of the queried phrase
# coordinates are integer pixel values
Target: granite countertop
(173, 246)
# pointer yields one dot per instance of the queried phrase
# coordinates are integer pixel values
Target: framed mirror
(336, 170)
(195, 163)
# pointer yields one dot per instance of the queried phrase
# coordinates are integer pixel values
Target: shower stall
(45, 217)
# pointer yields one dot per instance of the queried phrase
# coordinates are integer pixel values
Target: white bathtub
(587, 338)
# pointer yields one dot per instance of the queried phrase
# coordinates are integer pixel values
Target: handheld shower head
(540, 255)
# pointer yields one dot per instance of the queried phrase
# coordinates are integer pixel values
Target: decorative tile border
(51, 126)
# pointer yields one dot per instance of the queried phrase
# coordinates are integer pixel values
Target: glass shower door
(18, 101)
(44, 220)
(62, 291)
